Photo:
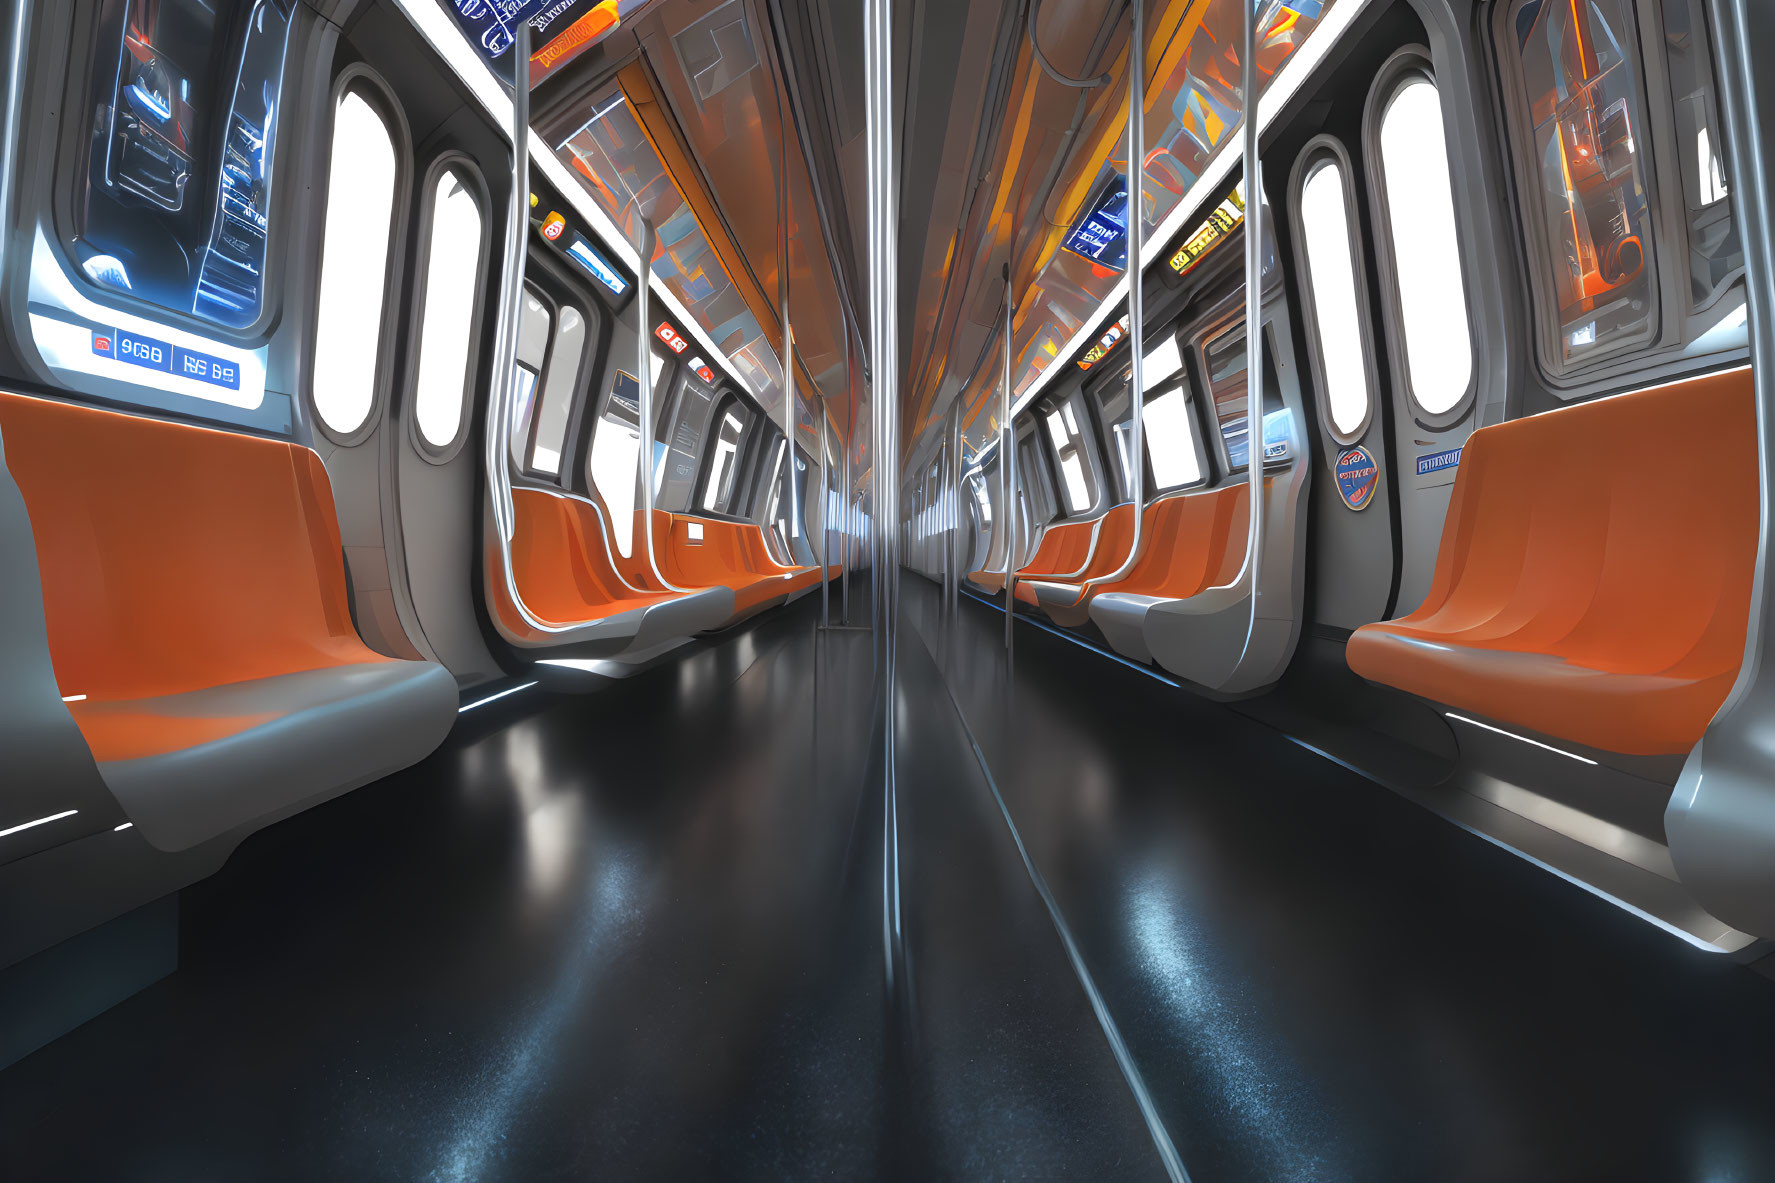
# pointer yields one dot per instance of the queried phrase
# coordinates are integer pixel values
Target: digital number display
(168, 359)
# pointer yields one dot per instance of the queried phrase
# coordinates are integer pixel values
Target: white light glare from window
(725, 447)
(557, 395)
(1426, 253)
(615, 449)
(1171, 441)
(1331, 270)
(446, 327)
(1164, 361)
(1072, 470)
(354, 265)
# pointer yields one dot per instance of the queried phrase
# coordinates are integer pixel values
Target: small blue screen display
(1101, 233)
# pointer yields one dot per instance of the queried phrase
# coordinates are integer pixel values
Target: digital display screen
(583, 253)
(1101, 234)
(178, 179)
(168, 359)
(491, 24)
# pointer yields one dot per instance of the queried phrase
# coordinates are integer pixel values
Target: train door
(1354, 506)
(1432, 367)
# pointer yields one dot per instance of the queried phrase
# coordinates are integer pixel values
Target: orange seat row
(197, 617)
(1064, 548)
(715, 573)
(1594, 578)
(1188, 543)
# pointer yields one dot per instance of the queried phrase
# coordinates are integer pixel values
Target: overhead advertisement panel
(560, 30)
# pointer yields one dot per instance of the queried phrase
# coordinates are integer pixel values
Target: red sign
(670, 336)
(702, 370)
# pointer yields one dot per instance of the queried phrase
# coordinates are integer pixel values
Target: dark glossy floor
(684, 932)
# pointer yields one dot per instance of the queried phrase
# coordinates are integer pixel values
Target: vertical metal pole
(1253, 316)
(1136, 148)
(825, 518)
(788, 353)
(1012, 518)
(511, 302)
(644, 378)
(955, 512)
(883, 344)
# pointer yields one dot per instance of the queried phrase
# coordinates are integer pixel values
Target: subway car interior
(676, 589)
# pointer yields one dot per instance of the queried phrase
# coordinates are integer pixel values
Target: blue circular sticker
(1358, 476)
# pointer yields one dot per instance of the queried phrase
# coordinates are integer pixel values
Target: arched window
(454, 247)
(1336, 305)
(1418, 223)
(355, 245)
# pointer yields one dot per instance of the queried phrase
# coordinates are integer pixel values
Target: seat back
(176, 557)
(721, 556)
(1618, 534)
(1063, 548)
(558, 560)
(1191, 542)
(1113, 540)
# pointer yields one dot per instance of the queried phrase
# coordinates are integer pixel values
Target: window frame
(1680, 322)
(1120, 377)
(1091, 463)
(521, 462)
(1320, 150)
(284, 257)
(1400, 70)
(360, 78)
(576, 390)
(1531, 234)
(727, 402)
(470, 173)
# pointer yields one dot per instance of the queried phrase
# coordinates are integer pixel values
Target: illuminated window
(721, 464)
(1160, 369)
(354, 265)
(446, 326)
(175, 188)
(1224, 361)
(1063, 429)
(1336, 298)
(1580, 107)
(1426, 256)
(616, 450)
(558, 388)
(535, 325)
(1171, 444)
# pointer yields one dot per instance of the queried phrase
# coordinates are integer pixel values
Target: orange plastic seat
(1067, 601)
(1594, 578)
(196, 611)
(712, 552)
(1063, 550)
(563, 571)
(1191, 542)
